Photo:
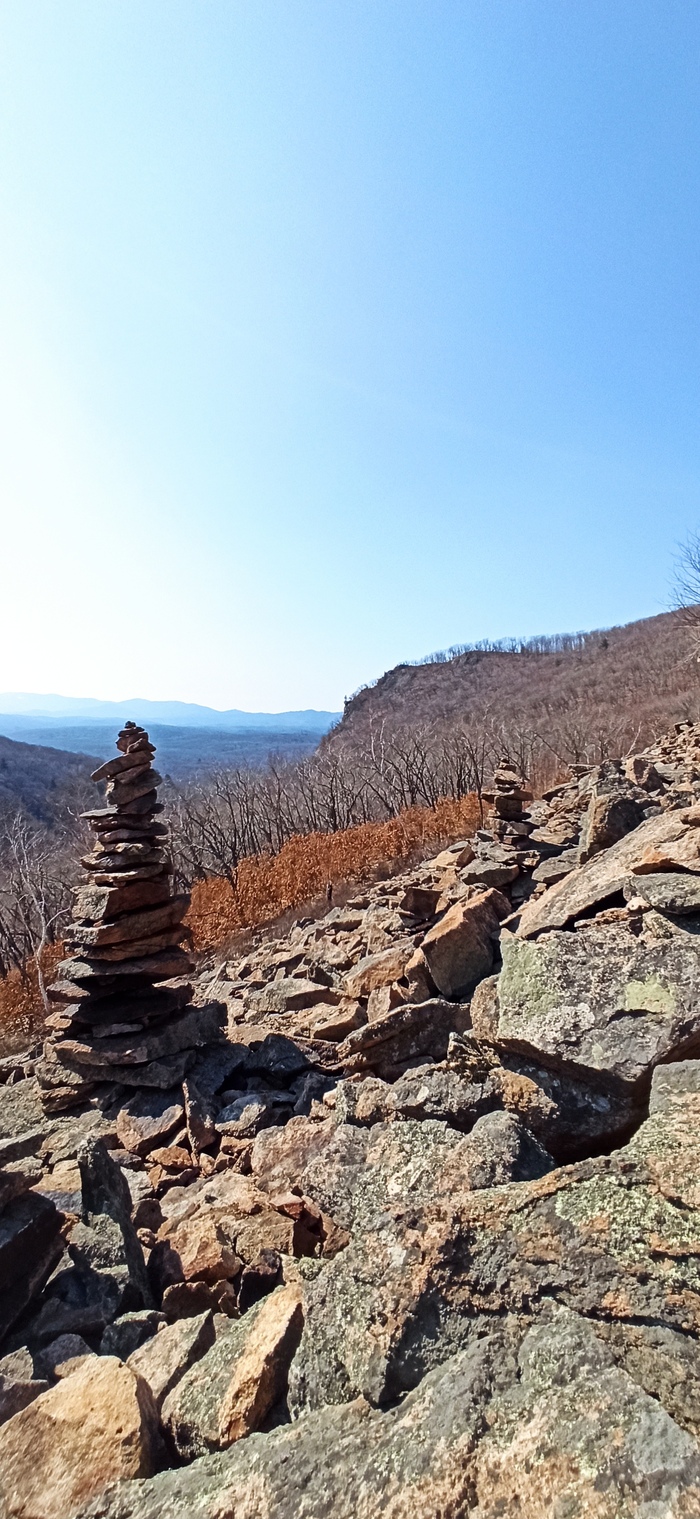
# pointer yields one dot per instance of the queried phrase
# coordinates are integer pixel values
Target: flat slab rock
(600, 1000)
(658, 844)
(537, 1423)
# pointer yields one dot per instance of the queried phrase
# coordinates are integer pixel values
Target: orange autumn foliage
(21, 1007)
(269, 885)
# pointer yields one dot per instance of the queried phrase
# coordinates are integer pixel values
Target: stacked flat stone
(121, 999)
(507, 796)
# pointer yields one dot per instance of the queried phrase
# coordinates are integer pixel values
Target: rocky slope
(418, 1232)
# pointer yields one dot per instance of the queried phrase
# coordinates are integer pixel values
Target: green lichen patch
(649, 996)
(639, 1227)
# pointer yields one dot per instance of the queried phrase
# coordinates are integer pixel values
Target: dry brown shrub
(269, 885)
(21, 1007)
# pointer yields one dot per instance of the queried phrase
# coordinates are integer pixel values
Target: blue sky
(334, 333)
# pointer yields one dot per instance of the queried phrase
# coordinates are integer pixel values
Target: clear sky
(333, 332)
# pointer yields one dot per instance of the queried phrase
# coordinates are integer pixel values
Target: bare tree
(35, 889)
(686, 599)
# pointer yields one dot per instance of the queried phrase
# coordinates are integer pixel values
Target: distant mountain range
(27, 710)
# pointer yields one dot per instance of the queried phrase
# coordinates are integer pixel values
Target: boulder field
(411, 1226)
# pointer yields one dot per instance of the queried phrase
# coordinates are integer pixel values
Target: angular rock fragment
(600, 1002)
(661, 843)
(164, 1358)
(417, 1029)
(94, 1427)
(147, 1119)
(19, 1385)
(227, 1393)
(459, 949)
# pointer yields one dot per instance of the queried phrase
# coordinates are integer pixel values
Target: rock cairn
(507, 796)
(120, 999)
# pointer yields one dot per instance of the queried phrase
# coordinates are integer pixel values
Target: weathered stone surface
(378, 970)
(287, 995)
(21, 1113)
(199, 1117)
(485, 873)
(280, 1155)
(669, 891)
(94, 1427)
(608, 819)
(667, 838)
(147, 1119)
(30, 1246)
(107, 1201)
(600, 1001)
(61, 1352)
(336, 1023)
(229, 1391)
(130, 927)
(199, 1248)
(419, 901)
(191, 1029)
(94, 903)
(152, 967)
(577, 1435)
(18, 1384)
(540, 1424)
(549, 871)
(129, 1331)
(245, 1117)
(260, 1375)
(163, 1360)
(459, 949)
(417, 1028)
(616, 1239)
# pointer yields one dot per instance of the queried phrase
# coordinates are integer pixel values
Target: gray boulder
(540, 1423)
(601, 1003)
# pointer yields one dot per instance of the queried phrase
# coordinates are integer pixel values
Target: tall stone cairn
(119, 1005)
(507, 796)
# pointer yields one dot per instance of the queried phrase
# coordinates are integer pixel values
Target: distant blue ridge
(27, 710)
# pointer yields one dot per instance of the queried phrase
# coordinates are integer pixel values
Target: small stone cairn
(508, 793)
(119, 1004)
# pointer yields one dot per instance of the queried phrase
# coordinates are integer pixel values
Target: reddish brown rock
(95, 1427)
(459, 949)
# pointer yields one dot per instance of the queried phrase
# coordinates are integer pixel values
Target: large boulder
(459, 949)
(540, 1423)
(616, 1239)
(601, 1002)
(95, 1426)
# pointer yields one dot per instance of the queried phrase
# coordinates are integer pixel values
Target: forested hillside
(41, 783)
(576, 695)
